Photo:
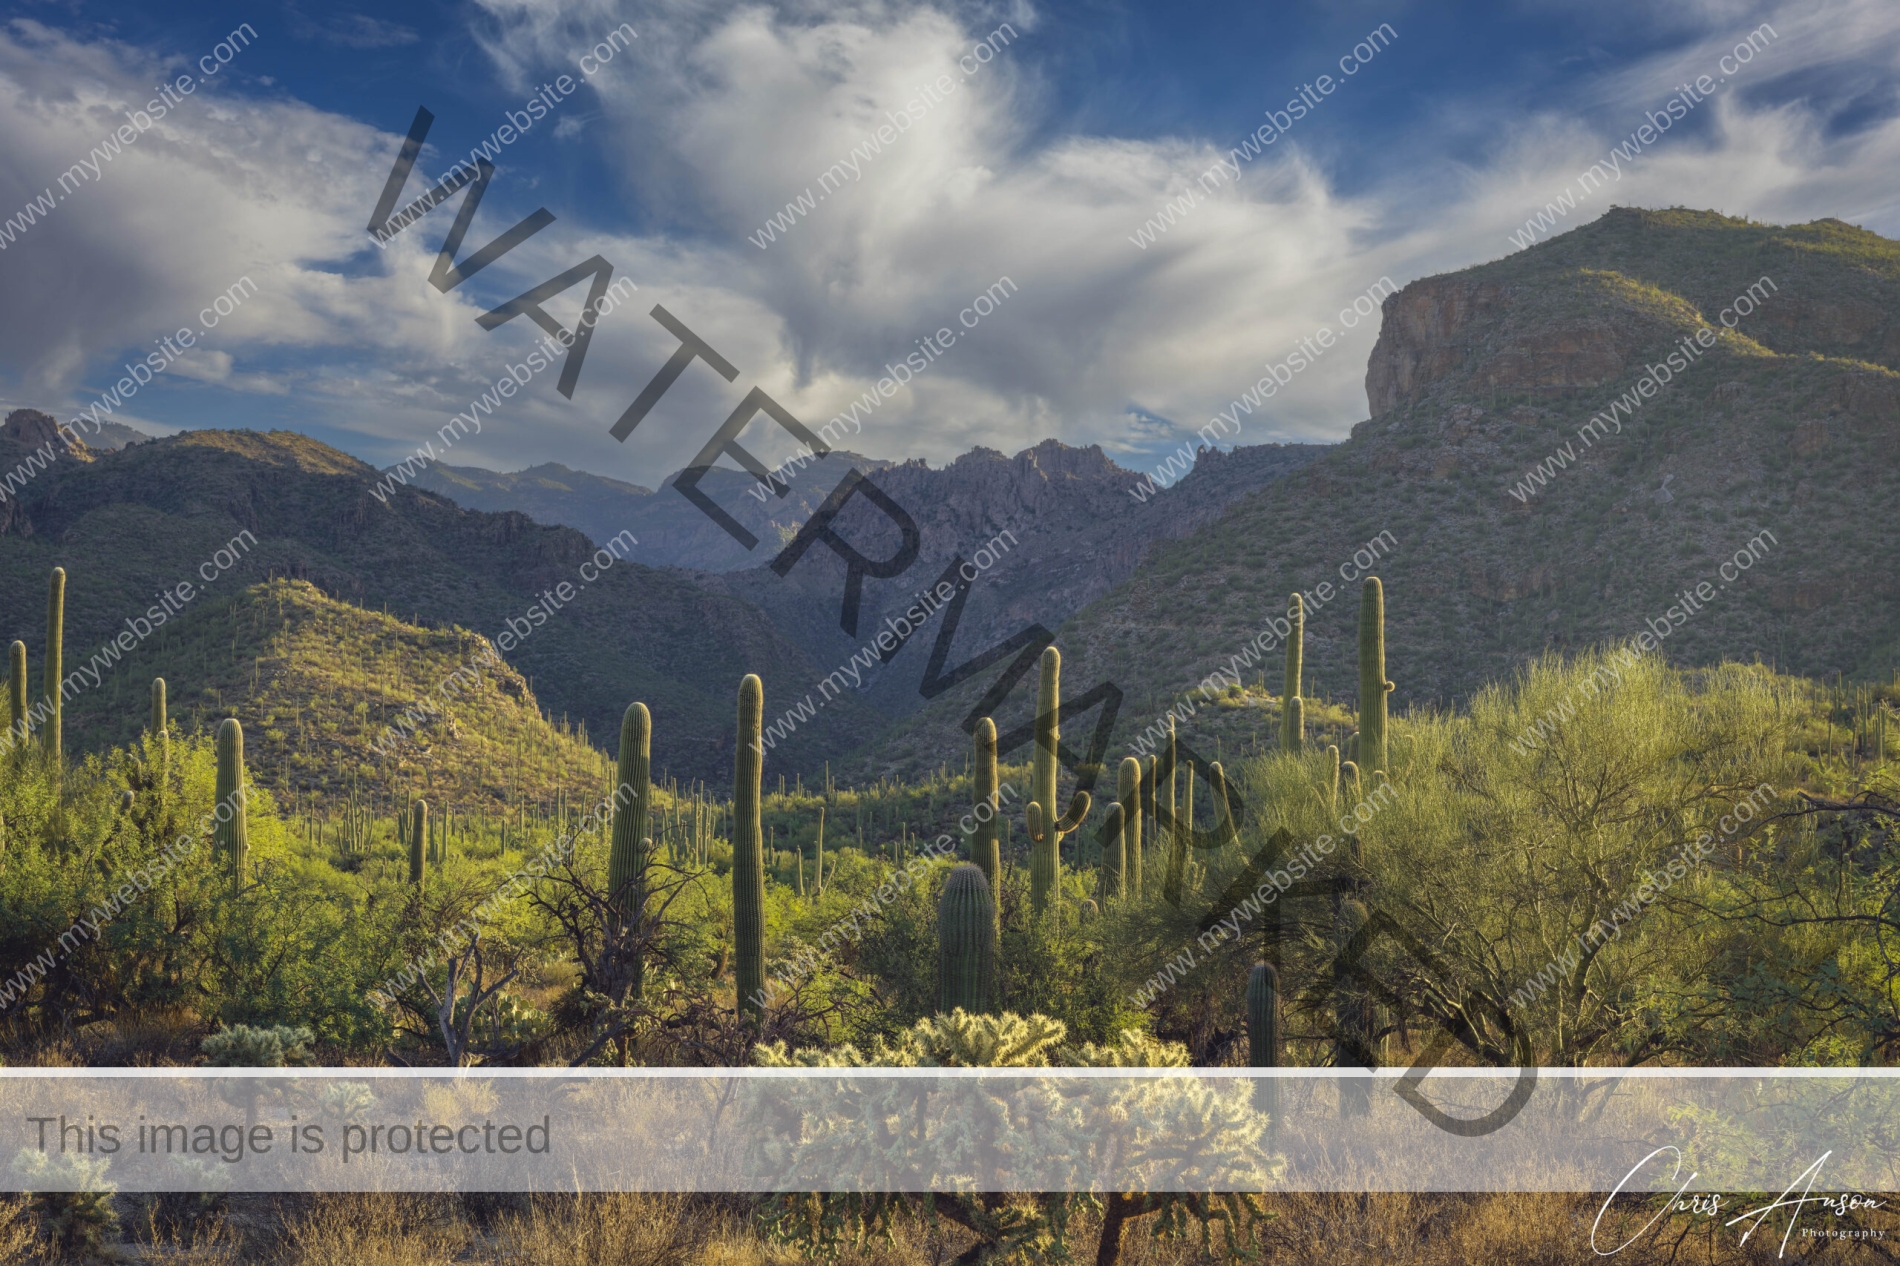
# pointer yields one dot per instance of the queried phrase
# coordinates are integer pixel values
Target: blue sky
(1040, 165)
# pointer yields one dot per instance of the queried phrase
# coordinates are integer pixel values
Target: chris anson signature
(1709, 1203)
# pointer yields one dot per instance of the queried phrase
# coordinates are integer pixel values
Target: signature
(1710, 1203)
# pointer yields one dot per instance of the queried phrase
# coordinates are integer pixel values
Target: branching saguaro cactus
(748, 852)
(1263, 1034)
(966, 941)
(418, 832)
(627, 853)
(1114, 854)
(16, 693)
(1129, 788)
(233, 836)
(55, 647)
(1045, 829)
(1292, 730)
(985, 851)
(818, 850)
(1373, 687)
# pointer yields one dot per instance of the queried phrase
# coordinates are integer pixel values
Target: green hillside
(1787, 426)
(130, 525)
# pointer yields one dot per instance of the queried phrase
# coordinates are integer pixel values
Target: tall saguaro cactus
(1114, 855)
(984, 849)
(627, 854)
(1045, 829)
(418, 832)
(233, 835)
(748, 852)
(818, 851)
(1177, 834)
(1352, 1011)
(55, 646)
(1263, 1034)
(966, 941)
(158, 708)
(1373, 687)
(1293, 725)
(16, 691)
(1128, 788)
(1290, 720)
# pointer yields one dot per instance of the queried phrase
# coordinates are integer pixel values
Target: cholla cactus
(243, 1046)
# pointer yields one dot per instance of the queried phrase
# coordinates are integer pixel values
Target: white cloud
(713, 121)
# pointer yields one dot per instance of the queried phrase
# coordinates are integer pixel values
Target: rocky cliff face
(1783, 439)
(1060, 524)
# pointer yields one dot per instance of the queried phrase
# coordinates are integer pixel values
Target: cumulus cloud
(712, 122)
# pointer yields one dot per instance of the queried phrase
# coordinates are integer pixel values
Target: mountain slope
(1059, 523)
(317, 681)
(1788, 425)
(131, 523)
(671, 530)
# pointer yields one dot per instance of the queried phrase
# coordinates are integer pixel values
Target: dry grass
(1390, 1229)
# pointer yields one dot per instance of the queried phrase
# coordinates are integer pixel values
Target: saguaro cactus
(818, 858)
(1045, 829)
(1128, 787)
(1223, 810)
(1352, 1011)
(158, 708)
(1332, 780)
(1293, 725)
(55, 645)
(418, 834)
(1263, 1034)
(1290, 720)
(1373, 687)
(1177, 836)
(16, 667)
(984, 849)
(1114, 854)
(748, 852)
(627, 853)
(232, 836)
(966, 941)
